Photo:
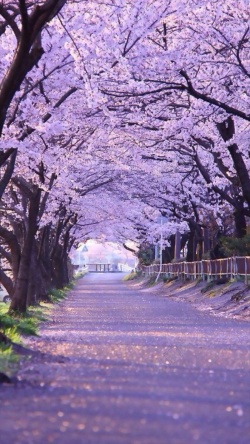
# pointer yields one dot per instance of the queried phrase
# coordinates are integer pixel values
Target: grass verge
(13, 328)
(131, 276)
(57, 295)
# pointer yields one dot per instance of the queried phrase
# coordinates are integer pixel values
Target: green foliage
(9, 333)
(80, 274)
(13, 327)
(40, 312)
(6, 321)
(58, 294)
(236, 246)
(8, 360)
(131, 276)
(28, 327)
(23, 324)
(146, 254)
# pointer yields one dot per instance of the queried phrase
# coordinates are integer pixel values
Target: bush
(236, 246)
(146, 254)
(131, 276)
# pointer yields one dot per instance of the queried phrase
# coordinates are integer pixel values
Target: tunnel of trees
(113, 115)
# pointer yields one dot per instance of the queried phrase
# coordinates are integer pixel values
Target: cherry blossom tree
(186, 78)
(113, 114)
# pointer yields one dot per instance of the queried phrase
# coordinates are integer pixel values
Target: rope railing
(206, 269)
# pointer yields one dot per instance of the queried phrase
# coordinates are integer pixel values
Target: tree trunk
(242, 171)
(33, 280)
(191, 246)
(60, 271)
(194, 244)
(227, 131)
(19, 300)
(168, 252)
(6, 176)
(240, 223)
(6, 282)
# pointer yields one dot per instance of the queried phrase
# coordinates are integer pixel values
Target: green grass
(13, 328)
(24, 324)
(21, 325)
(133, 275)
(8, 326)
(9, 361)
(130, 276)
(57, 295)
(79, 274)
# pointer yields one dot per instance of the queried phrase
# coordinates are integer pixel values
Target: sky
(93, 252)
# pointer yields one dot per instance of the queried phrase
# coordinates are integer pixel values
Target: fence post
(246, 275)
(202, 271)
(235, 266)
(177, 247)
(231, 267)
(208, 270)
(214, 269)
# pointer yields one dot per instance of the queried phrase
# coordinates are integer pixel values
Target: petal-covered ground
(125, 366)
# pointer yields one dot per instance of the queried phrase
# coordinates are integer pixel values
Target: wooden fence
(205, 269)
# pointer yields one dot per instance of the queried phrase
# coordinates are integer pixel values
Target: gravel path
(121, 366)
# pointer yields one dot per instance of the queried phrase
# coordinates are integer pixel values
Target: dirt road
(121, 366)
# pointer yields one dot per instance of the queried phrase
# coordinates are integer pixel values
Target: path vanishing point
(126, 366)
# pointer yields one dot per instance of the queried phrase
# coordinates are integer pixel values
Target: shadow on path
(126, 367)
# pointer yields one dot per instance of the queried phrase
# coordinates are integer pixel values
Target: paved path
(128, 367)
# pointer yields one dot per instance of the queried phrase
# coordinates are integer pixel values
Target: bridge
(107, 268)
(101, 268)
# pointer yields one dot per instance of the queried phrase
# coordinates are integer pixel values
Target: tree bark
(11, 159)
(240, 223)
(29, 50)
(6, 282)
(227, 131)
(12, 242)
(19, 300)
